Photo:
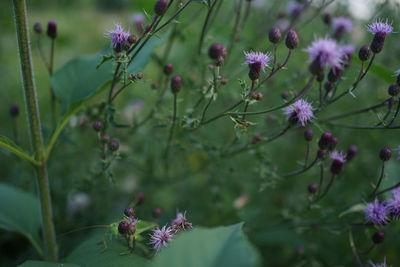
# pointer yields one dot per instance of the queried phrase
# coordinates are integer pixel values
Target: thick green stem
(21, 24)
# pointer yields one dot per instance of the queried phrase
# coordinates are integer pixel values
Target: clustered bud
(52, 29)
(176, 84)
(274, 35)
(168, 69)
(385, 154)
(364, 53)
(291, 39)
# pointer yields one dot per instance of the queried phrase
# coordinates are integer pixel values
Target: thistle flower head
(339, 156)
(383, 264)
(326, 51)
(379, 26)
(161, 237)
(342, 24)
(300, 111)
(394, 204)
(257, 58)
(180, 223)
(119, 37)
(376, 212)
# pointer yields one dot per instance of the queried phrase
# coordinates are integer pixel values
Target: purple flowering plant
(235, 111)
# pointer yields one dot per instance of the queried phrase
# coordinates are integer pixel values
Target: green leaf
(20, 212)
(46, 264)
(143, 226)
(355, 208)
(379, 71)
(79, 79)
(12, 147)
(90, 253)
(215, 247)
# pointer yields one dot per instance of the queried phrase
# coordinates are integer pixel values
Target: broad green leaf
(79, 79)
(46, 264)
(14, 148)
(355, 208)
(214, 247)
(379, 71)
(143, 226)
(90, 253)
(20, 212)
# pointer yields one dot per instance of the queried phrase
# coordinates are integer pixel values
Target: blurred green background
(213, 191)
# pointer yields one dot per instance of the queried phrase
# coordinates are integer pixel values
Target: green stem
(21, 24)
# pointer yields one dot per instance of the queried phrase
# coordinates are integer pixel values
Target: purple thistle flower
(339, 156)
(380, 27)
(342, 24)
(119, 38)
(293, 9)
(347, 49)
(394, 204)
(300, 111)
(326, 52)
(180, 223)
(376, 212)
(257, 58)
(161, 237)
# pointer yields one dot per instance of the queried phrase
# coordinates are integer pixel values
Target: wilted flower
(394, 204)
(119, 38)
(376, 212)
(325, 52)
(180, 223)
(161, 237)
(300, 111)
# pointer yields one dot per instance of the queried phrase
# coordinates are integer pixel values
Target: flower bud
(364, 53)
(257, 96)
(140, 198)
(312, 188)
(316, 67)
(336, 166)
(105, 139)
(378, 237)
(160, 7)
(256, 138)
(113, 145)
(291, 39)
(98, 126)
(216, 51)
(168, 69)
(132, 39)
(154, 85)
(14, 110)
(327, 18)
(328, 86)
(351, 152)
(378, 42)
(132, 228)
(325, 140)
(334, 74)
(157, 213)
(123, 228)
(176, 84)
(285, 95)
(255, 70)
(333, 143)
(139, 75)
(224, 80)
(308, 135)
(129, 212)
(274, 35)
(322, 153)
(38, 28)
(385, 154)
(52, 29)
(394, 90)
